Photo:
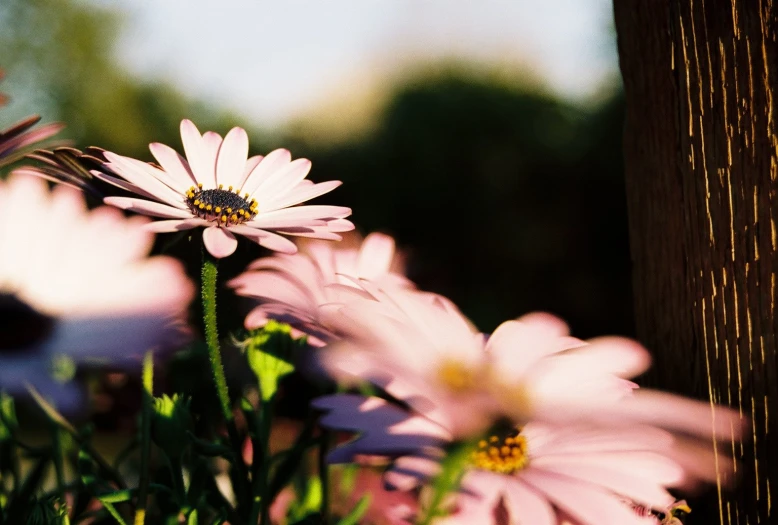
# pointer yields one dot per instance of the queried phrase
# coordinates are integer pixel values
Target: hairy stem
(209, 277)
(145, 439)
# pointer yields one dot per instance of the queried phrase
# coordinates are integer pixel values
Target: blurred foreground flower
(293, 288)
(78, 284)
(422, 350)
(540, 473)
(218, 187)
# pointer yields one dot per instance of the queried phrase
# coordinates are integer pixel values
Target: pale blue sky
(273, 59)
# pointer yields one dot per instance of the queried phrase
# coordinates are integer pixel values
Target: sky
(272, 60)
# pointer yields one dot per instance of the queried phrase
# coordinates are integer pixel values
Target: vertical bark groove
(701, 167)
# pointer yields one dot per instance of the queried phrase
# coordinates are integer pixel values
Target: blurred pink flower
(422, 350)
(546, 471)
(220, 188)
(79, 283)
(292, 288)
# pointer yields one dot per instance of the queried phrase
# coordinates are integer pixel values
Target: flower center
(21, 325)
(225, 206)
(457, 377)
(505, 455)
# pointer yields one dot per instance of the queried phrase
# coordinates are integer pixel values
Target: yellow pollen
(229, 210)
(234, 218)
(457, 377)
(196, 202)
(209, 207)
(503, 459)
(201, 206)
(229, 188)
(246, 196)
(218, 209)
(221, 186)
(224, 218)
(200, 185)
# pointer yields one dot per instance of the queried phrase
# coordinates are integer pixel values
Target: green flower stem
(145, 439)
(177, 471)
(209, 276)
(324, 475)
(59, 466)
(261, 465)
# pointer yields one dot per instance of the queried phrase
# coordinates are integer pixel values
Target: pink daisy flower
(538, 475)
(421, 350)
(293, 288)
(220, 188)
(78, 283)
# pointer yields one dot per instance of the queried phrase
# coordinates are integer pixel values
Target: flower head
(217, 186)
(422, 350)
(78, 283)
(293, 288)
(539, 472)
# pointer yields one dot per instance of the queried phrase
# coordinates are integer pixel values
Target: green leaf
(114, 513)
(192, 520)
(50, 411)
(170, 424)
(99, 488)
(119, 496)
(8, 423)
(270, 351)
(353, 517)
(310, 502)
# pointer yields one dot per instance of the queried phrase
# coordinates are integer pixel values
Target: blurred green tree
(508, 199)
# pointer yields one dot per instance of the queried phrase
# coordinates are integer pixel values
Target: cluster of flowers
(555, 431)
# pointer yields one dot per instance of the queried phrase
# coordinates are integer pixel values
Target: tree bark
(700, 77)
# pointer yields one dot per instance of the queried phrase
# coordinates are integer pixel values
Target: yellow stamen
(502, 459)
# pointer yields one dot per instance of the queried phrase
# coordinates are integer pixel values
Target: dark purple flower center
(225, 206)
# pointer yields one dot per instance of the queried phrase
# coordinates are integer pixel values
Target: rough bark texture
(700, 150)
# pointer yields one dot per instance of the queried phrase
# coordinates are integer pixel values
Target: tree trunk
(700, 78)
